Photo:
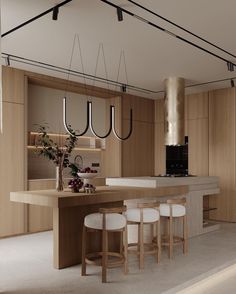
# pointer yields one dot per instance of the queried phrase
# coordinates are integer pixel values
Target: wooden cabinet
(138, 150)
(135, 156)
(12, 154)
(197, 132)
(222, 146)
(39, 217)
(159, 138)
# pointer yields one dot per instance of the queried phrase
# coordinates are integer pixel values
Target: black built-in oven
(177, 159)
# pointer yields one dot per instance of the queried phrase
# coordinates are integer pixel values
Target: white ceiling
(151, 55)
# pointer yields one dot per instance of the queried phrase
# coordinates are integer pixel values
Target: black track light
(119, 14)
(232, 83)
(230, 66)
(123, 88)
(55, 12)
(8, 60)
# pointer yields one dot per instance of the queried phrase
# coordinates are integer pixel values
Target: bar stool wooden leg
(84, 237)
(170, 237)
(141, 252)
(185, 230)
(125, 240)
(158, 233)
(121, 243)
(138, 246)
(104, 255)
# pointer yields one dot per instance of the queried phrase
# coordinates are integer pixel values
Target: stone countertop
(198, 183)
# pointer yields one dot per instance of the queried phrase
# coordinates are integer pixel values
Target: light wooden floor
(26, 267)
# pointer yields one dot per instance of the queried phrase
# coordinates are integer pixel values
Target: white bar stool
(145, 213)
(174, 208)
(107, 220)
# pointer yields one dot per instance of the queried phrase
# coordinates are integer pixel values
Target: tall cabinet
(222, 147)
(12, 152)
(134, 156)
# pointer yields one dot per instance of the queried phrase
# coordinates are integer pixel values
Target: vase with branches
(57, 152)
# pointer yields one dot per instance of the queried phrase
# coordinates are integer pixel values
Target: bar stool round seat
(146, 214)
(177, 210)
(107, 221)
(114, 221)
(171, 210)
(150, 215)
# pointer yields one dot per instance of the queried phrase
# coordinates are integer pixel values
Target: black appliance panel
(177, 159)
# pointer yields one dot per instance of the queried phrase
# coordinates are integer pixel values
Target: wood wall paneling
(198, 147)
(40, 218)
(111, 157)
(159, 139)
(160, 153)
(13, 85)
(222, 152)
(12, 150)
(196, 106)
(142, 109)
(138, 150)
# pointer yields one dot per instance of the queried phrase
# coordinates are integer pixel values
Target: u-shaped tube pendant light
(90, 122)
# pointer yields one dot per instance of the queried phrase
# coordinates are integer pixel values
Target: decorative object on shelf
(58, 153)
(89, 124)
(75, 184)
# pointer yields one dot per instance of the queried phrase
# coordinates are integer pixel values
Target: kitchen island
(69, 210)
(198, 188)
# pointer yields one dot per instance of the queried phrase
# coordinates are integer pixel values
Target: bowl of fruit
(87, 174)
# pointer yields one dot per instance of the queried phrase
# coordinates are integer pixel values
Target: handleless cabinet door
(222, 152)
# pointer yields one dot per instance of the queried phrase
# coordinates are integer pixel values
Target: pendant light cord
(122, 54)
(101, 48)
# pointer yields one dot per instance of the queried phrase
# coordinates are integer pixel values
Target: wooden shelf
(84, 143)
(76, 148)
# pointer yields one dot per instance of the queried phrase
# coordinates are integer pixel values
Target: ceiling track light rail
(59, 69)
(168, 32)
(54, 10)
(182, 28)
(8, 58)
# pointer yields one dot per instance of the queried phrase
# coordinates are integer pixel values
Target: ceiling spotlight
(232, 83)
(123, 88)
(55, 12)
(119, 14)
(230, 66)
(7, 59)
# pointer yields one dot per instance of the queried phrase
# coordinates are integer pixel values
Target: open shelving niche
(87, 146)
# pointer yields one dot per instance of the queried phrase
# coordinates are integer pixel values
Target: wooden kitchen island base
(69, 210)
(67, 234)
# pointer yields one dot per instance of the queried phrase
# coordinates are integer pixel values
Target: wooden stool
(174, 208)
(107, 220)
(146, 213)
